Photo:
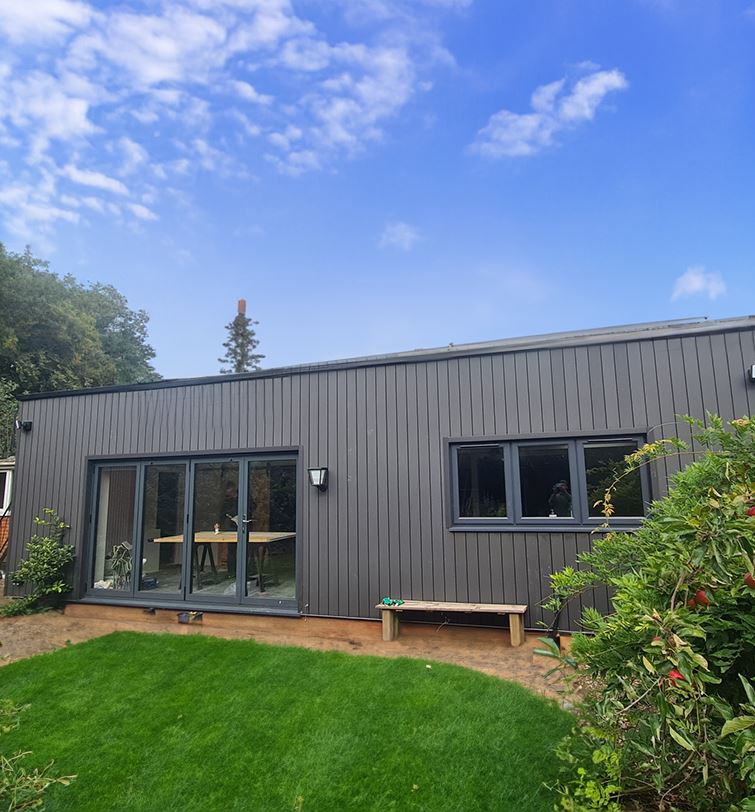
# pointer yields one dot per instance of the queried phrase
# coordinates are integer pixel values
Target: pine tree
(242, 342)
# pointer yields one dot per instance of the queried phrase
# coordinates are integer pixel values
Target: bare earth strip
(484, 650)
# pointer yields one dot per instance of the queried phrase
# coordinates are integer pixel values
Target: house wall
(382, 430)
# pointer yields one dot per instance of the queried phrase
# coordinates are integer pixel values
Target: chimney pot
(242, 307)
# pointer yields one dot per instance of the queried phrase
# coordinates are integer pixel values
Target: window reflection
(163, 528)
(604, 465)
(545, 481)
(216, 520)
(114, 532)
(271, 529)
(482, 482)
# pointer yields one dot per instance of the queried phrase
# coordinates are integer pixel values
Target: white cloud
(141, 91)
(248, 93)
(556, 106)
(39, 20)
(97, 180)
(134, 155)
(46, 108)
(697, 281)
(141, 212)
(399, 235)
(177, 46)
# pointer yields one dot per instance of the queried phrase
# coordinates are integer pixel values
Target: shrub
(22, 788)
(44, 568)
(666, 708)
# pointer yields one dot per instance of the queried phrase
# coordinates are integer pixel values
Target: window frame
(616, 521)
(90, 589)
(527, 521)
(188, 596)
(515, 521)
(7, 492)
(481, 521)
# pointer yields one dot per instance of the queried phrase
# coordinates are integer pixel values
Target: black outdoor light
(318, 478)
(23, 425)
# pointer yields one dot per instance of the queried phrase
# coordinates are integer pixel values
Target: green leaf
(681, 740)
(737, 724)
(650, 667)
(749, 690)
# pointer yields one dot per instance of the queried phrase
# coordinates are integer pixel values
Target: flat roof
(574, 338)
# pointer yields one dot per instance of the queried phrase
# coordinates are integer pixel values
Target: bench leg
(390, 625)
(516, 629)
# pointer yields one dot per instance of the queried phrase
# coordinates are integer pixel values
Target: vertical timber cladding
(382, 429)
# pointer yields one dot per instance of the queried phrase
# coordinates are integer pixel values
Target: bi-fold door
(204, 531)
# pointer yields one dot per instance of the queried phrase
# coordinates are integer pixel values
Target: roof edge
(575, 338)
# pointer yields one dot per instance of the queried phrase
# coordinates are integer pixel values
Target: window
(114, 531)
(209, 529)
(544, 483)
(163, 528)
(482, 481)
(604, 462)
(5, 490)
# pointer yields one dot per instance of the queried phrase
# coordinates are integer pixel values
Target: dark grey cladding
(382, 426)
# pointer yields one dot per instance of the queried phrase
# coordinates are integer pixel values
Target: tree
(56, 333)
(241, 344)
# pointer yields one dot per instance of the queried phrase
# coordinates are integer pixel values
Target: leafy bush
(22, 788)
(44, 568)
(666, 682)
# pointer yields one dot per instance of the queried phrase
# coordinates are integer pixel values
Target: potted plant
(121, 563)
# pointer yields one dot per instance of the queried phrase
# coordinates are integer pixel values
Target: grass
(167, 722)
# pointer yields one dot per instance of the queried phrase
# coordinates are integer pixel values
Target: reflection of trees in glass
(482, 485)
(604, 465)
(272, 496)
(216, 489)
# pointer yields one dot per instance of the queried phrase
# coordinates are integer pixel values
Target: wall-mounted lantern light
(23, 425)
(752, 373)
(318, 478)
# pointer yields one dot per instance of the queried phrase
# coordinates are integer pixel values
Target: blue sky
(381, 175)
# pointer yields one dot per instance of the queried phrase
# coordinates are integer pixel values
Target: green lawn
(167, 722)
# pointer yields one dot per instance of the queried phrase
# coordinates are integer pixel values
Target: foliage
(120, 564)
(263, 727)
(44, 568)
(240, 347)
(56, 333)
(8, 412)
(21, 787)
(666, 717)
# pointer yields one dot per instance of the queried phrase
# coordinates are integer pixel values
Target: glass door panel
(163, 528)
(114, 531)
(270, 529)
(215, 529)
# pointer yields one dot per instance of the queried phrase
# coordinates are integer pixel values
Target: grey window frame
(616, 521)
(92, 546)
(514, 521)
(188, 596)
(481, 521)
(527, 521)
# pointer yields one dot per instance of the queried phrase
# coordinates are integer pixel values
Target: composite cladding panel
(382, 429)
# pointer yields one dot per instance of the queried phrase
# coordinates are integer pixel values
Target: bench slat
(445, 606)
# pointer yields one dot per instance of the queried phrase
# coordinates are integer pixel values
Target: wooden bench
(515, 612)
